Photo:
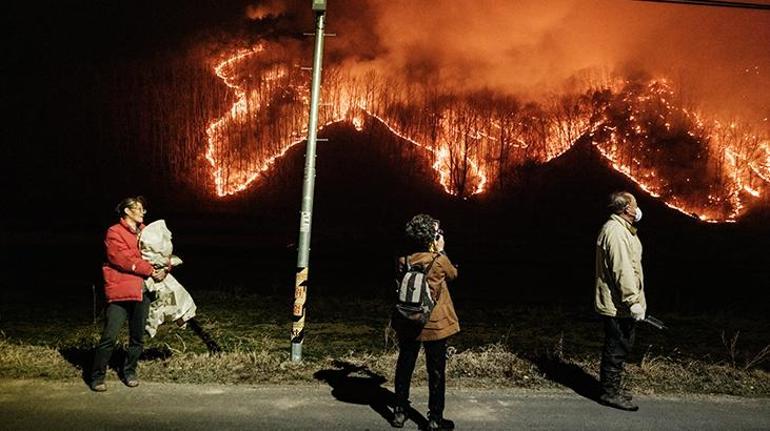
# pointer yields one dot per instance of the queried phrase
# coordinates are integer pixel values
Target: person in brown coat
(428, 246)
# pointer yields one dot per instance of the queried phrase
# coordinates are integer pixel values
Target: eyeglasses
(139, 209)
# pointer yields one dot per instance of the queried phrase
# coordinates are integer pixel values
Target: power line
(732, 4)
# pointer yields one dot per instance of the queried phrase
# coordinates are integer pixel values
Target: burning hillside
(699, 165)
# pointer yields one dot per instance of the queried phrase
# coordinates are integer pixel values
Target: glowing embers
(269, 117)
(698, 166)
(261, 124)
(358, 121)
(443, 164)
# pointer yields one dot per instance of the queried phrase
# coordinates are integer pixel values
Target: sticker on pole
(304, 221)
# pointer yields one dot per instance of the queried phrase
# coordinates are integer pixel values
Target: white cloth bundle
(172, 301)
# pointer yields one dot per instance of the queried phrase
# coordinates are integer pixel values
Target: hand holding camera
(440, 242)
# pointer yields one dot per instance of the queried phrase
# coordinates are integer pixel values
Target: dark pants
(435, 358)
(117, 313)
(618, 341)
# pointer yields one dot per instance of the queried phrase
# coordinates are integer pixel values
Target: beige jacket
(443, 320)
(619, 276)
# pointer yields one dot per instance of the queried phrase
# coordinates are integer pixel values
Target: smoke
(548, 54)
(717, 56)
(265, 9)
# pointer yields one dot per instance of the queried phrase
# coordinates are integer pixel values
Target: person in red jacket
(124, 275)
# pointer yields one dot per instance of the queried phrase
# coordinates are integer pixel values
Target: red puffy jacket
(125, 270)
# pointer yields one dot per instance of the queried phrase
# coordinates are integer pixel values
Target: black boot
(399, 417)
(98, 386)
(612, 396)
(618, 401)
(438, 423)
(622, 391)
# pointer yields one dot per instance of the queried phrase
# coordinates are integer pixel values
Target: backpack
(414, 302)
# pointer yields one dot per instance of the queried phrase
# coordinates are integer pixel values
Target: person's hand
(637, 312)
(440, 243)
(159, 274)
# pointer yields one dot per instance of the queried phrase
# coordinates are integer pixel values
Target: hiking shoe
(440, 424)
(98, 387)
(618, 401)
(399, 418)
(132, 381)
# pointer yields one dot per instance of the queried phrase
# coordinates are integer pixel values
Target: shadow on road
(569, 375)
(358, 385)
(82, 358)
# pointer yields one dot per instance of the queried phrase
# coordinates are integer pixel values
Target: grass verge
(526, 347)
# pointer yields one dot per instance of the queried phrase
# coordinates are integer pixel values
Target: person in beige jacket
(619, 295)
(428, 240)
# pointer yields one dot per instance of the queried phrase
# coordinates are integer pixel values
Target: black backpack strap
(401, 270)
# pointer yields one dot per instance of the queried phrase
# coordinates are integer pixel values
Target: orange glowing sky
(716, 61)
(535, 46)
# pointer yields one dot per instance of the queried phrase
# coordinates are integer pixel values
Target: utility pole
(308, 188)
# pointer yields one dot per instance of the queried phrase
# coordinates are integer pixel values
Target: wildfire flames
(705, 168)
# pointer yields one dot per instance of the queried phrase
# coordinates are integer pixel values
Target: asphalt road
(43, 405)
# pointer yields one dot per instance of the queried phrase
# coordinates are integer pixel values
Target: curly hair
(421, 231)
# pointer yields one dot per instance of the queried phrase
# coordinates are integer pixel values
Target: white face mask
(637, 215)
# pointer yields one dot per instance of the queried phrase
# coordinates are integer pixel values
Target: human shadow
(82, 358)
(557, 370)
(359, 385)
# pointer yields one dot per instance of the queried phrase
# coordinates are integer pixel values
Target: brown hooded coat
(443, 320)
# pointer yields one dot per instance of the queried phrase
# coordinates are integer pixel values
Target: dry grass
(526, 347)
(488, 366)
(19, 361)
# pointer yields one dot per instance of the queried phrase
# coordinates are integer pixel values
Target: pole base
(296, 352)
